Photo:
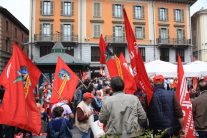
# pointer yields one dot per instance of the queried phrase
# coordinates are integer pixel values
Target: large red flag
(102, 48)
(137, 63)
(184, 98)
(19, 79)
(64, 84)
(129, 82)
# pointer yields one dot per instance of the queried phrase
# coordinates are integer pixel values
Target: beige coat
(84, 126)
(122, 114)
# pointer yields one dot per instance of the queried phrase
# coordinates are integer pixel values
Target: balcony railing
(55, 37)
(115, 39)
(173, 41)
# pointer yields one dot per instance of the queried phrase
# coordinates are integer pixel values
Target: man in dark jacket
(164, 111)
(200, 110)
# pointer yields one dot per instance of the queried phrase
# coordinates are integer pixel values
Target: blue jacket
(161, 111)
(59, 128)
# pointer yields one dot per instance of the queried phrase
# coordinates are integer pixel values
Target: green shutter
(72, 8)
(143, 29)
(123, 34)
(41, 27)
(41, 8)
(72, 32)
(51, 27)
(182, 15)
(113, 8)
(159, 13)
(62, 8)
(133, 11)
(168, 36)
(142, 10)
(167, 14)
(174, 15)
(52, 8)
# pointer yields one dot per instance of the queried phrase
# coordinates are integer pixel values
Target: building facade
(11, 30)
(199, 35)
(162, 29)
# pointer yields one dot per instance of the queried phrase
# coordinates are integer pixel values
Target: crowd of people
(122, 115)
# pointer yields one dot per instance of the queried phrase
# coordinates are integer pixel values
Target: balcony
(55, 38)
(116, 40)
(175, 42)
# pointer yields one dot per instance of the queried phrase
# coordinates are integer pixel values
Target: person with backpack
(59, 127)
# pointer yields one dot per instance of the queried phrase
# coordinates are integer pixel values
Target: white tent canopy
(196, 69)
(158, 67)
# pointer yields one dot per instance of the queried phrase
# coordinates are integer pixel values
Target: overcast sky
(21, 8)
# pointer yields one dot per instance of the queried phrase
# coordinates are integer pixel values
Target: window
(46, 8)
(140, 32)
(67, 32)
(66, 8)
(163, 35)
(163, 14)
(7, 44)
(7, 25)
(142, 51)
(138, 12)
(164, 54)
(181, 52)
(95, 54)
(118, 33)
(178, 15)
(15, 32)
(96, 10)
(44, 50)
(180, 36)
(46, 30)
(70, 50)
(117, 10)
(119, 50)
(96, 30)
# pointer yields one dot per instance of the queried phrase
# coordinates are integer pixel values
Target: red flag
(64, 84)
(129, 82)
(184, 99)
(102, 48)
(137, 63)
(19, 79)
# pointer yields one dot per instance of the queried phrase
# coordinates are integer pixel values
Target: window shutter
(72, 8)
(41, 8)
(168, 36)
(182, 15)
(62, 8)
(114, 32)
(94, 30)
(99, 10)
(113, 8)
(52, 8)
(123, 38)
(143, 29)
(159, 13)
(142, 10)
(51, 29)
(159, 32)
(134, 7)
(99, 30)
(62, 30)
(174, 15)
(72, 31)
(183, 33)
(167, 15)
(122, 7)
(41, 28)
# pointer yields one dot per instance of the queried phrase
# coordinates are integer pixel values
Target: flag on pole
(137, 63)
(65, 83)
(19, 79)
(129, 82)
(102, 48)
(184, 99)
